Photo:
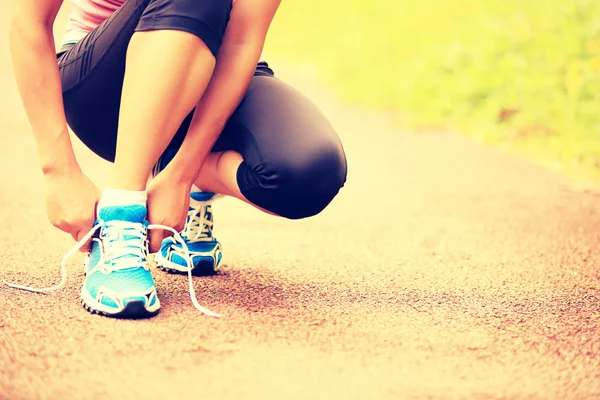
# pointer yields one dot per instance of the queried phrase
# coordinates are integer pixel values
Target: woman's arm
(70, 196)
(236, 62)
(36, 71)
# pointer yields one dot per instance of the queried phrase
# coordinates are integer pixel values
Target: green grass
(458, 64)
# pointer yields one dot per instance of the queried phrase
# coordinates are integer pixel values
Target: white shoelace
(188, 260)
(118, 253)
(198, 226)
(128, 252)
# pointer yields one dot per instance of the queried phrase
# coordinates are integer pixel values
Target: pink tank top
(87, 15)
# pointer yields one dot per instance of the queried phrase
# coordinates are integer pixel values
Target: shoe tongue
(135, 213)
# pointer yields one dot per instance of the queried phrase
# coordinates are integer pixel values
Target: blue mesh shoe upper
(117, 271)
(198, 235)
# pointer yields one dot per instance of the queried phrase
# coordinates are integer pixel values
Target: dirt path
(443, 270)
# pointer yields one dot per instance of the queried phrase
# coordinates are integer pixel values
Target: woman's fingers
(79, 235)
(156, 237)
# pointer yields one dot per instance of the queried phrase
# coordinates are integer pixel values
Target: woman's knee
(296, 188)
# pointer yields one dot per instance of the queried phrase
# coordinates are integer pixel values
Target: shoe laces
(124, 253)
(199, 225)
(125, 245)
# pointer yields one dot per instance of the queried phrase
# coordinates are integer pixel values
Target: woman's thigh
(294, 163)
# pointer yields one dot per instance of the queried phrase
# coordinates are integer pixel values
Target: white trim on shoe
(96, 305)
(165, 263)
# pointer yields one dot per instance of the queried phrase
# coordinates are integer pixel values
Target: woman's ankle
(117, 197)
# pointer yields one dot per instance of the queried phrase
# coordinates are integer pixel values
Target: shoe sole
(134, 309)
(203, 268)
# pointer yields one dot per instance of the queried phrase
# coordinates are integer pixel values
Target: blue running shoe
(205, 251)
(118, 282)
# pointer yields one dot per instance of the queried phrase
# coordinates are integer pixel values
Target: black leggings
(294, 163)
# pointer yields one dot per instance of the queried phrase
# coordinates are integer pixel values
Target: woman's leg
(278, 152)
(139, 74)
(218, 174)
(166, 74)
(127, 87)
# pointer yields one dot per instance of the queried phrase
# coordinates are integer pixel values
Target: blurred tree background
(521, 74)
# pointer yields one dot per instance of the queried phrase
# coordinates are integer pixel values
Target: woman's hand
(168, 204)
(71, 200)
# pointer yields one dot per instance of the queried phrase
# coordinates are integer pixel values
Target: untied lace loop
(88, 236)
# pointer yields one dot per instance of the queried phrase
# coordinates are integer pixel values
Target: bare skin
(218, 174)
(143, 119)
(214, 87)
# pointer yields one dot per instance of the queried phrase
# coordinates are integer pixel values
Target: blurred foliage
(521, 73)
